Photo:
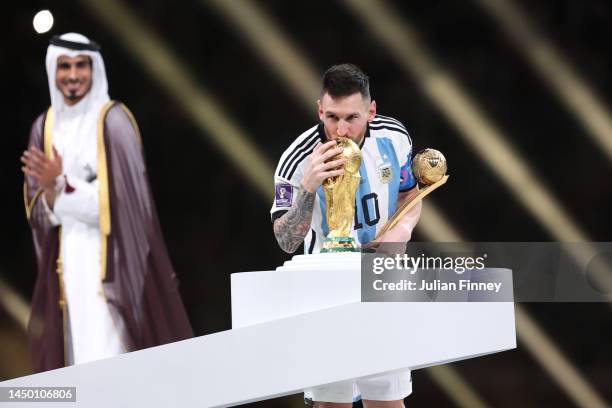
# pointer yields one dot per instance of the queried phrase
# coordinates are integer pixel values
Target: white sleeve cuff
(51, 216)
(78, 200)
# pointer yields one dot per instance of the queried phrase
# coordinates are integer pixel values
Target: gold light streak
(14, 304)
(555, 70)
(157, 59)
(466, 116)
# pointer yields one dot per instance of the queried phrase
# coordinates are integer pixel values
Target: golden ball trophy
(429, 168)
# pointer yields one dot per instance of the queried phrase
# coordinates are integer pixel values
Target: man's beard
(72, 95)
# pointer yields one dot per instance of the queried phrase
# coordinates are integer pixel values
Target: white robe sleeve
(79, 200)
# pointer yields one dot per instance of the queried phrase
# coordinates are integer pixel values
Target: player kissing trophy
(340, 199)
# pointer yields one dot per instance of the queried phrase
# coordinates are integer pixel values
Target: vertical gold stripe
(30, 206)
(134, 123)
(28, 209)
(25, 198)
(48, 147)
(103, 191)
(104, 205)
(103, 255)
(48, 135)
(62, 294)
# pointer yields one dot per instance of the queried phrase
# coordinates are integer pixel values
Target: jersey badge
(283, 195)
(385, 172)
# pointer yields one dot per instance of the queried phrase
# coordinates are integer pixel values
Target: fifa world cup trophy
(340, 200)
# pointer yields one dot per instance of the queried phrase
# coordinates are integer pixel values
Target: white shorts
(387, 387)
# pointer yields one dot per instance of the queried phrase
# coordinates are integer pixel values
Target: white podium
(349, 339)
(300, 326)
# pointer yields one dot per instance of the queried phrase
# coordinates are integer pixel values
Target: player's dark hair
(344, 80)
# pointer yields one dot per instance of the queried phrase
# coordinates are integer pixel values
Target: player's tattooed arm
(292, 227)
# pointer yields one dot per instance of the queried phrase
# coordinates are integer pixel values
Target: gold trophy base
(339, 244)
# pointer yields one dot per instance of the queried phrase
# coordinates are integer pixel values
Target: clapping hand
(42, 168)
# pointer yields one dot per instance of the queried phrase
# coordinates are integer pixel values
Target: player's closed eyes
(335, 118)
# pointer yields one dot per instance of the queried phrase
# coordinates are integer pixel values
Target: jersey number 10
(365, 209)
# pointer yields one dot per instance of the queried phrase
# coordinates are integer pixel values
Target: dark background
(216, 223)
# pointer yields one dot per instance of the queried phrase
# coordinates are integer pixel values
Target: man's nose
(72, 74)
(342, 129)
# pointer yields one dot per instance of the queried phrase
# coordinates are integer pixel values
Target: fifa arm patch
(283, 195)
(407, 179)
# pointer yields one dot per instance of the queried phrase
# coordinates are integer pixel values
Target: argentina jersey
(385, 171)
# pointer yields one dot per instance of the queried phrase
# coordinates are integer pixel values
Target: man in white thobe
(75, 178)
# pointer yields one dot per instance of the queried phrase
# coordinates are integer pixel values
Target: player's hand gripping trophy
(340, 199)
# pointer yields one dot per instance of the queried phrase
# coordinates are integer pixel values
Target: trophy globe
(429, 166)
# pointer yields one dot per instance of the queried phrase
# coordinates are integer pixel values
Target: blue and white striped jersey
(385, 170)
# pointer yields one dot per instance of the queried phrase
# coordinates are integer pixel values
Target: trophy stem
(408, 205)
